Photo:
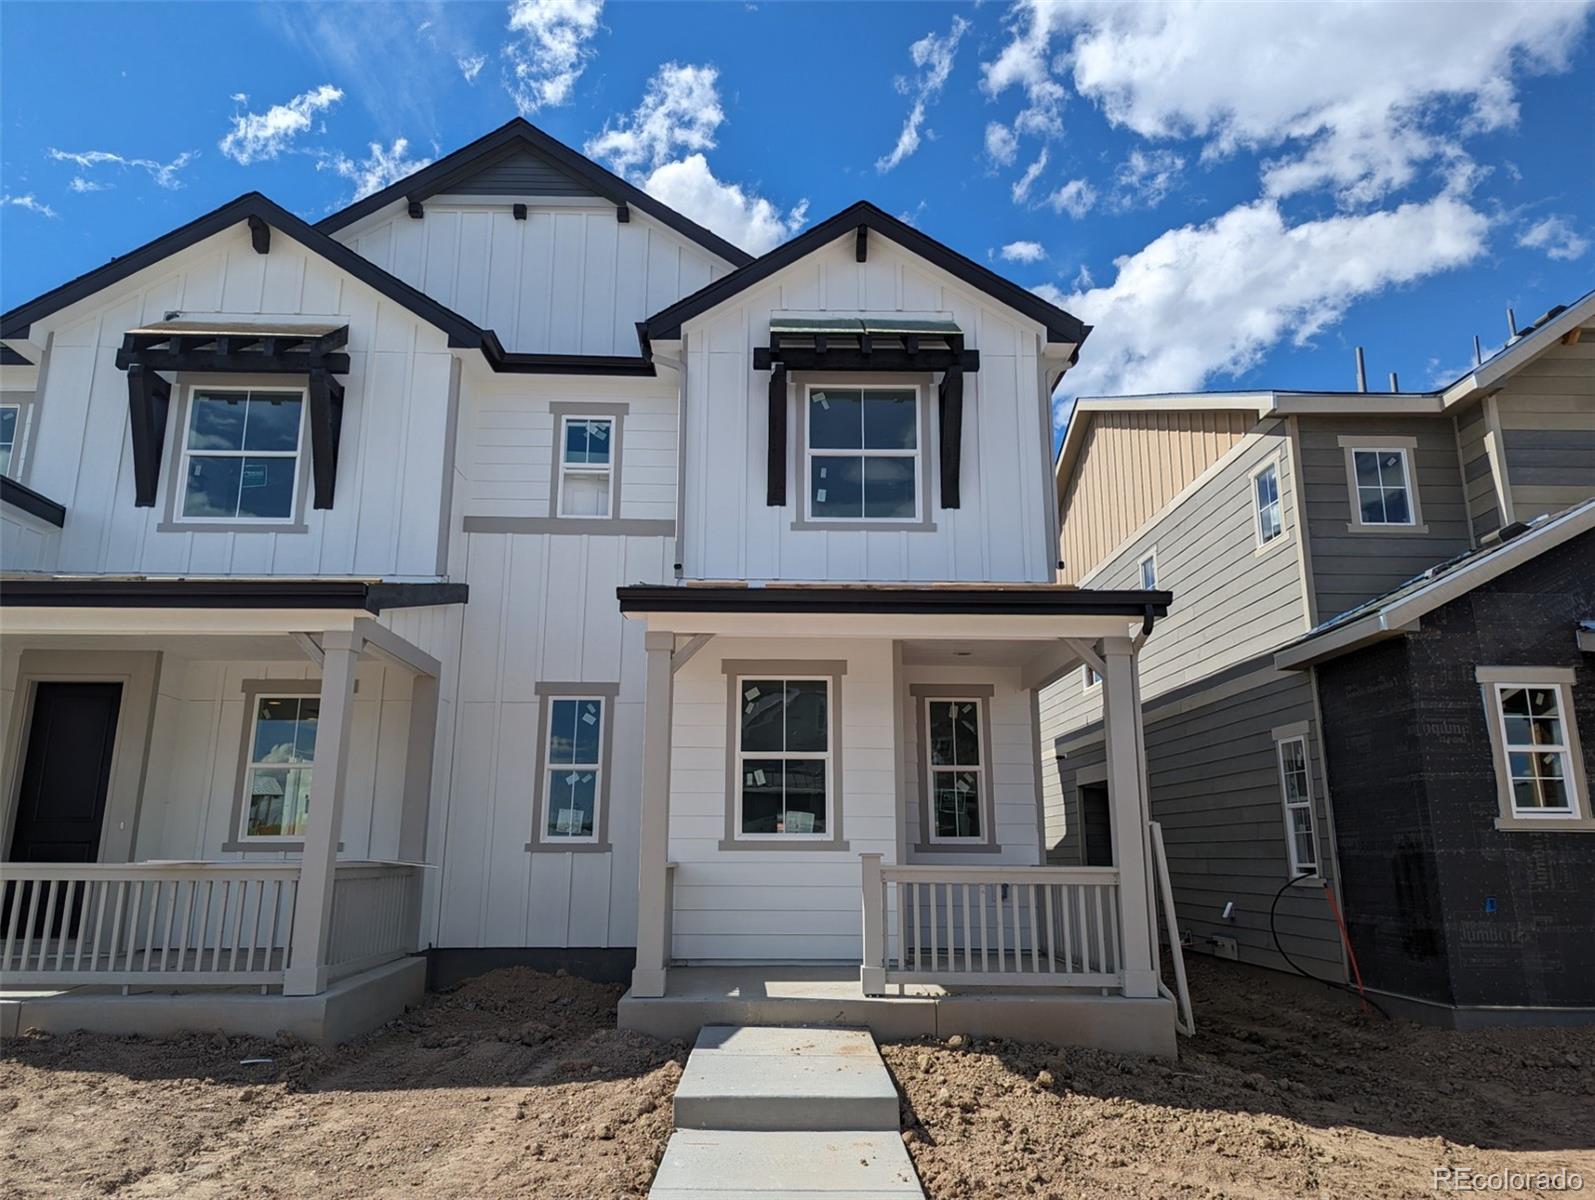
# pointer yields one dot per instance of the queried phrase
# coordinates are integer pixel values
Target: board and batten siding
(396, 423)
(1547, 415)
(1000, 534)
(566, 280)
(1351, 567)
(1130, 466)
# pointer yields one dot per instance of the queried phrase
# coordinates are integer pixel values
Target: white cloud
(256, 136)
(1022, 185)
(1077, 197)
(29, 202)
(552, 49)
(1001, 144)
(1556, 237)
(80, 184)
(1025, 62)
(680, 111)
(1213, 299)
(163, 174)
(934, 57)
(377, 170)
(746, 220)
(1353, 97)
(1023, 252)
(1146, 177)
(471, 65)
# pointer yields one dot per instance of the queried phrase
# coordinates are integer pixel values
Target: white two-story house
(508, 570)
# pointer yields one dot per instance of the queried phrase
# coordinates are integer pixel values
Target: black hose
(1343, 987)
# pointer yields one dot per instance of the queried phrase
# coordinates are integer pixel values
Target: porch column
(653, 842)
(313, 902)
(1127, 807)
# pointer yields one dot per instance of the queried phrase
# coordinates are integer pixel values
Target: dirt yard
(518, 1085)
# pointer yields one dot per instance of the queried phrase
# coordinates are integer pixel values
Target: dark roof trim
(362, 594)
(487, 149)
(972, 601)
(10, 358)
(516, 363)
(29, 501)
(1060, 326)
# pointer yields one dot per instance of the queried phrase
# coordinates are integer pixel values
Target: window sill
(782, 844)
(573, 848)
(957, 848)
(1398, 530)
(232, 527)
(1269, 547)
(802, 526)
(1546, 824)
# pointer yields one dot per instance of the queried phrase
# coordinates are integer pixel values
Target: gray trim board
(921, 694)
(546, 691)
(572, 526)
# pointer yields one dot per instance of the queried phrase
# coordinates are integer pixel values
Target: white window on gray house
(1534, 736)
(1089, 679)
(1265, 504)
(1296, 789)
(863, 454)
(282, 751)
(241, 454)
(586, 467)
(573, 768)
(1384, 492)
(783, 763)
(10, 421)
(1149, 572)
(954, 757)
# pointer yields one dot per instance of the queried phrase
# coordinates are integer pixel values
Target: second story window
(863, 454)
(1383, 487)
(1265, 505)
(241, 454)
(1149, 571)
(10, 419)
(586, 467)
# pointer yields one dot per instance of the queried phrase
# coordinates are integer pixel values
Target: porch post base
(648, 982)
(1140, 984)
(304, 981)
(872, 981)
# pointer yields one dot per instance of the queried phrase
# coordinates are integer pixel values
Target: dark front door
(66, 773)
(1097, 825)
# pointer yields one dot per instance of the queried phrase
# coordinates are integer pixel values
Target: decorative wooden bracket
(861, 246)
(326, 428)
(149, 399)
(259, 235)
(951, 396)
(775, 486)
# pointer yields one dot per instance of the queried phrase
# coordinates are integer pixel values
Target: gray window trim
(832, 670)
(921, 694)
(560, 410)
(187, 385)
(802, 382)
(1276, 462)
(253, 690)
(1562, 679)
(1408, 446)
(22, 402)
(540, 842)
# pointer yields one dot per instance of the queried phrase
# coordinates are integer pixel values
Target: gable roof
(666, 324)
(520, 135)
(1398, 610)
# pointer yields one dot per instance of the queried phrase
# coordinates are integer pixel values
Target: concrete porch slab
(713, 1164)
(346, 1010)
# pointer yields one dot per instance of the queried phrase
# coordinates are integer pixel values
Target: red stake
(1351, 955)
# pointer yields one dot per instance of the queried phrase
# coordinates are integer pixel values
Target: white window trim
(830, 833)
(13, 466)
(985, 806)
(1407, 447)
(547, 836)
(1298, 868)
(567, 469)
(1578, 816)
(1283, 536)
(180, 498)
(1149, 557)
(917, 454)
(1090, 681)
(278, 841)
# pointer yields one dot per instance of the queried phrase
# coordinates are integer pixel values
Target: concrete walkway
(779, 1113)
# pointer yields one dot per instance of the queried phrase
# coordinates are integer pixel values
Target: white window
(586, 466)
(1265, 504)
(282, 751)
(573, 768)
(863, 454)
(1538, 749)
(953, 760)
(1149, 571)
(1090, 679)
(783, 758)
(10, 423)
(241, 454)
(1384, 491)
(1296, 789)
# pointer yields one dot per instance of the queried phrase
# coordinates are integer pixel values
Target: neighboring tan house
(507, 568)
(1286, 523)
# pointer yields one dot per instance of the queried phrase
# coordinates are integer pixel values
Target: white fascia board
(1490, 374)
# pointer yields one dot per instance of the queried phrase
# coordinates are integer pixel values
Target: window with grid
(586, 466)
(573, 766)
(1539, 760)
(953, 753)
(863, 454)
(1295, 781)
(783, 757)
(1149, 572)
(1265, 497)
(282, 753)
(241, 454)
(1383, 488)
(10, 418)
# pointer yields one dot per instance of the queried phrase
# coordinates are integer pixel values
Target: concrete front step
(712, 1164)
(762, 1078)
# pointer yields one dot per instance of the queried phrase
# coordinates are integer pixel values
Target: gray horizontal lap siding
(521, 174)
(1478, 476)
(1349, 568)
(1551, 457)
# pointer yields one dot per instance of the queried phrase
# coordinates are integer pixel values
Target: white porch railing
(1008, 926)
(219, 924)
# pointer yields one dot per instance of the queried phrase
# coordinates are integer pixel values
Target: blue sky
(1235, 195)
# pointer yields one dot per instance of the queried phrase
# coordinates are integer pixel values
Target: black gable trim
(29, 501)
(453, 169)
(1061, 326)
(10, 358)
(372, 596)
